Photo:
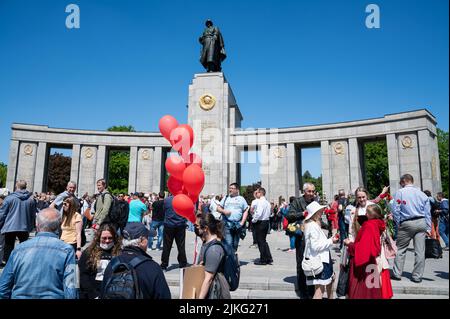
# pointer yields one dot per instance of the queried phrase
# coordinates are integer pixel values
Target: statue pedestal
(213, 113)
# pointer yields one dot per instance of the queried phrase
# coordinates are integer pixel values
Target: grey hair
(45, 223)
(73, 183)
(307, 185)
(131, 242)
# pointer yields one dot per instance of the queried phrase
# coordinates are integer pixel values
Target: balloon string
(195, 250)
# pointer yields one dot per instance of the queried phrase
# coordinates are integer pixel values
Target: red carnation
(383, 195)
(404, 202)
(305, 213)
(399, 201)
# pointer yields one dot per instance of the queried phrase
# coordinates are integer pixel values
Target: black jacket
(89, 287)
(151, 278)
(296, 209)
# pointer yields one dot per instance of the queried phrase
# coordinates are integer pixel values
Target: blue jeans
(292, 241)
(157, 226)
(231, 238)
(443, 229)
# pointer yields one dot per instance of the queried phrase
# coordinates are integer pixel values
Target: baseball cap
(135, 230)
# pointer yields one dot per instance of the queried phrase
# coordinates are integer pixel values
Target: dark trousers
(305, 291)
(261, 234)
(255, 242)
(179, 234)
(10, 241)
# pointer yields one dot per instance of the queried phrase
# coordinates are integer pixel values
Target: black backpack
(118, 212)
(123, 283)
(229, 265)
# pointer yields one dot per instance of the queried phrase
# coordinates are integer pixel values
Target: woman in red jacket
(368, 279)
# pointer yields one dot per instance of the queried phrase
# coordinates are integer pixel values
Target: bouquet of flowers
(385, 204)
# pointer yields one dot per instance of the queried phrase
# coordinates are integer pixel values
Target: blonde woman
(317, 245)
(72, 224)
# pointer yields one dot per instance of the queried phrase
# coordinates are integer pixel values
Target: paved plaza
(278, 281)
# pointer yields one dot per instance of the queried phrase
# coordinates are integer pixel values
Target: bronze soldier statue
(213, 51)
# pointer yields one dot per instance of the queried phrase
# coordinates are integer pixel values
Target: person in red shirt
(367, 278)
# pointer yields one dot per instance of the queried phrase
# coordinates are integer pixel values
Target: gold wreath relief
(207, 101)
(145, 155)
(28, 149)
(339, 148)
(407, 142)
(278, 152)
(88, 153)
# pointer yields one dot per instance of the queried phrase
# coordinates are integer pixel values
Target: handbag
(311, 266)
(433, 248)
(390, 248)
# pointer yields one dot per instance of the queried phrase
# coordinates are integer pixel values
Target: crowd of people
(125, 226)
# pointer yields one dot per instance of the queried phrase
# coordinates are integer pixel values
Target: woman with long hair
(366, 261)
(72, 225)
(212, 253)
(95, 259)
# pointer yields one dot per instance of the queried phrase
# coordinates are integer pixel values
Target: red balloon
(174, 185)
(193, 179)
(166, 124)
(194, 198)
(184, 207)
(194, 159)
(175, 166)
(182, 139)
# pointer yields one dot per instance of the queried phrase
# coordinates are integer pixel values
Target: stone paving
(278, 281)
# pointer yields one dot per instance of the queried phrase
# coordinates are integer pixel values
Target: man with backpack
(103, 203)
(109, 209)
(133, 274)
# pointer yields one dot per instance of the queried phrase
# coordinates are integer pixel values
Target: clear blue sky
(289, 63)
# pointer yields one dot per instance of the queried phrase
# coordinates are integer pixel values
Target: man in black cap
(151, 280)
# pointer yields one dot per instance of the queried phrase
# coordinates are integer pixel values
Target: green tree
(317, 181)
(443, 159)
(376, 167)
(119, 164)
(247, 191)
(3, 172)
(58, 172)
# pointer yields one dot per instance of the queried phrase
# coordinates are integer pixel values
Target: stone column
(408, 155)
(394, 166)
(326, 169)
(41, 164)
(87, 174)
(27, 163)
(12, 165)
(145, 168)
(293, 186)
(100, 170)
(132, 170)
(429, 160)
(277, 172)
(75, 165)
(157, 170)
(233, 165)
(356, 174)
(264, 168)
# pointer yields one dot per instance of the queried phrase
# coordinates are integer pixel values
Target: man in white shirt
(260, 222)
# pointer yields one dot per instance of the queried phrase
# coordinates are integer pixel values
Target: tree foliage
(3, 172)
(443, 159)
(247, 191)
(119, 164)
(376, 167)
(317, 181)
(58, 172)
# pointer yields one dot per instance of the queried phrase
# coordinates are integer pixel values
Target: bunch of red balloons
(186, 178)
